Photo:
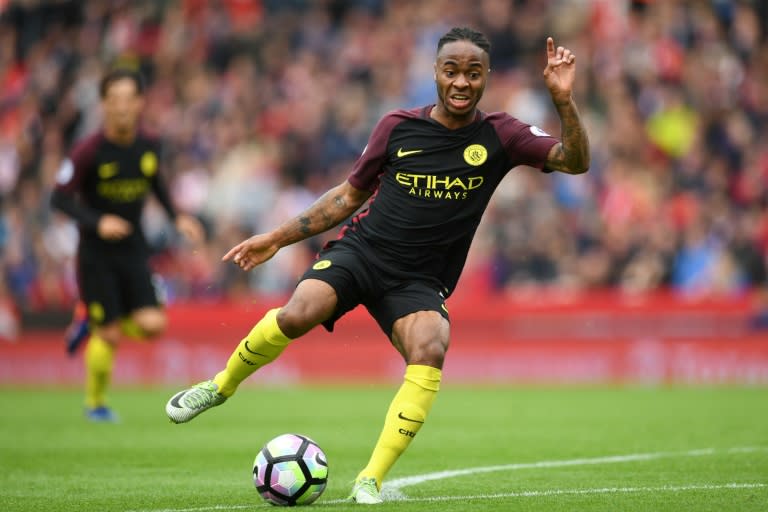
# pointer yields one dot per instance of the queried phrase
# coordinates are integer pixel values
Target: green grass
(53, 460)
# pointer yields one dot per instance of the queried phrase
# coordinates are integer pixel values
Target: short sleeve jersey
(110, 178)
(431, 186)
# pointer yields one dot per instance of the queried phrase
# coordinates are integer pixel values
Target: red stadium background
(257, 121)
(593, 338)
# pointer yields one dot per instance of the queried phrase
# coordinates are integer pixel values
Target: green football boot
(185, 405)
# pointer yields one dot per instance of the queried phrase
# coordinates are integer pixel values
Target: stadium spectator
(215, 81)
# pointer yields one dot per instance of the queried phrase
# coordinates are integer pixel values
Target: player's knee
(154, 329)
(295, 321)
(151, 324)
(109, 332)
(313, 302)
(429, 353)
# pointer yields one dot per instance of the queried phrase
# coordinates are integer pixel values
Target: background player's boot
(101, 414)
(78, 330)
(365, 492)
(185, 405)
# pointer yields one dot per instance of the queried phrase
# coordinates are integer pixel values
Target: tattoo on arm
(340, 202)
(328, 211)
(572, 155)
(304, 224)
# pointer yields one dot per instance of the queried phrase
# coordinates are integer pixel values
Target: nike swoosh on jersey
(400, 415)
(401, 153)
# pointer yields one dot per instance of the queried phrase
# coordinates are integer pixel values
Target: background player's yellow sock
(99, 361)
(404, 418)
(130, 328)
(262, 346)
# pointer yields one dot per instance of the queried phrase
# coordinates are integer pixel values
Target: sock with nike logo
(404, 418)
(262, 346)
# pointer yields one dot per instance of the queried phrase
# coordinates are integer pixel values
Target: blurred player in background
(103, 185)
(429, 174)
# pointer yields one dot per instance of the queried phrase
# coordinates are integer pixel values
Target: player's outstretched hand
(252, 252)
(560, 72)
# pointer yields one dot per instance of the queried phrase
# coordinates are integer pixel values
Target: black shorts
(357, 281)
(114, 283)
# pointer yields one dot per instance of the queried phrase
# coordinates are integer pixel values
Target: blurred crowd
(262, 105)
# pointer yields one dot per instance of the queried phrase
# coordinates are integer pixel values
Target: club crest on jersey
(322, 265)
(148, 164)
(475, 154)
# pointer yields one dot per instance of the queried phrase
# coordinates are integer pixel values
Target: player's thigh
(313, 302)
(137, 285)
(99, 287)
(335, 284)
(415, 318)
(422, 337)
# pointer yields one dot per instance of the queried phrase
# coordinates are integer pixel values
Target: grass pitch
(489, 449)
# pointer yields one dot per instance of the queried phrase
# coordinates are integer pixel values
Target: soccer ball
(290, 470)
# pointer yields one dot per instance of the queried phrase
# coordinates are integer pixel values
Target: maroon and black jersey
(431, 186)
(103, 177)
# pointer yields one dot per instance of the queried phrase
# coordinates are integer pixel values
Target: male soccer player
(429, 174)
(103, 185)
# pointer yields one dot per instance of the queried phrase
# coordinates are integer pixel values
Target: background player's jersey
(431, 186)
(103, 177)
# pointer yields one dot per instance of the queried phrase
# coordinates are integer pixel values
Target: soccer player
(103, 185)
(429, 174)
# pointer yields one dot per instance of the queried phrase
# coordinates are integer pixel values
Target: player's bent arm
(328, 211)
(572, 154)
(67, 203)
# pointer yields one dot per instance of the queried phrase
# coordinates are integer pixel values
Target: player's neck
(451, 121)
(120, 137)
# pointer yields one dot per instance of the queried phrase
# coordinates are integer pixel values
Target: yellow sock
(405, 417)
(99, 361)
(130, 328)
(262, 346)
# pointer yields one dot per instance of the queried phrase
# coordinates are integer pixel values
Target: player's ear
(434, 67)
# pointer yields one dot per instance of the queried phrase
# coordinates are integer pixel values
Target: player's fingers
(550, 47)
(232, 252)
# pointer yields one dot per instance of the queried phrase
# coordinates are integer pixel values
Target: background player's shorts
(356, 281)
(115, 283)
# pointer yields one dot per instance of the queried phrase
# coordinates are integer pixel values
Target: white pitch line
(565, 492)
(391, 490)
(517, 494)
(399, 483)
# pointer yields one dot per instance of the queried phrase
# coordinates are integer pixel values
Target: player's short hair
(115, 74)
(465, 34)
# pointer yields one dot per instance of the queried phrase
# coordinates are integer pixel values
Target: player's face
(461, 72)
(122, 106)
